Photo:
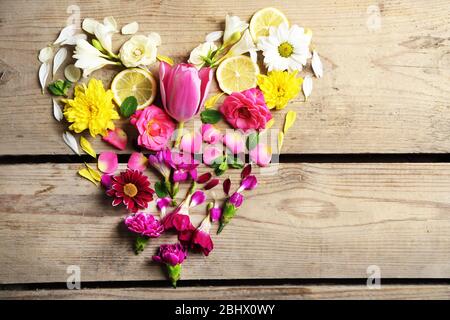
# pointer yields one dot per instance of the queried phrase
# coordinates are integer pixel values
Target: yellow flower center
(137, 52)
(285, 49)
(130, 190)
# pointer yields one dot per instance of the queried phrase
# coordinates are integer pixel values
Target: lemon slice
(263, 19)
(134, 82)
(237, 74)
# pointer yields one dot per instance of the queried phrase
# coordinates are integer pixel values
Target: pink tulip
(183, 89)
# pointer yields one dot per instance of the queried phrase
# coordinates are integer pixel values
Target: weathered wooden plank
(304, 221)
(384, 91)
(304, 292)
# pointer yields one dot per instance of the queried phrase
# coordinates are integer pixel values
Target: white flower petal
(72, 73)
(111, 23)
(233, 24)
(59, 58)
(66, 33)
(307, 86)
(244, 45)
(73, 40)
(316, 65)
(155, 38)
(214, 36)
(45, 54)
(130, 28)
(57, 112)
(89, 25)
(44, 71)
(71, 142)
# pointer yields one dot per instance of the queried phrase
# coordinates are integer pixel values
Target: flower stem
(180, 127)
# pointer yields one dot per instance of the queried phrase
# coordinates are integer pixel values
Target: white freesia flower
(285, 48)
(234, 26)
(89, 58)
(200, 52)
(214, 36)
(244, 45)
(139, 51)
(102, 31)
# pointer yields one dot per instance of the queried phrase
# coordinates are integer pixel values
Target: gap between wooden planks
(384, 91)
(400, 292)
(305, 221)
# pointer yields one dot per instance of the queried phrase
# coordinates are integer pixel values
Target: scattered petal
(57, 112)
(212, 101)
(85, 173)
(289, 120)
(248, 183)
(94, 173)
(226, 186)
(45, 54)
(117, 138)
(87, 147)
(59, 58)
(204, 178)
(316, 65)
(44, 71)
(197, 198)
(130, 28)
(107, 162)
(307, 86)
(137, 161)
(72, 73)
(280, 140)
(71, 142)
(66, 33)
(246, 171)
(155, 38)
(165, 59)
(211, 184)
(214, 36)
(270, 123)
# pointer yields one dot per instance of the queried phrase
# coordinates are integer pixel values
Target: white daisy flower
(285, 48)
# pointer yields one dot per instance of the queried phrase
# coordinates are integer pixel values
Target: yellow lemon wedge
(237, 74)
(263, 19)
(134, 82)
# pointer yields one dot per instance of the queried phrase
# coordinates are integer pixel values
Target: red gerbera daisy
(133, 189)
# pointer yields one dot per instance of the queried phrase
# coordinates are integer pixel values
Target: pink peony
(155, 127)
(144, 224)
(246, 110)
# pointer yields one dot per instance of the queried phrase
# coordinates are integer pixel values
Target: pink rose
(155, 127)
(246, 110)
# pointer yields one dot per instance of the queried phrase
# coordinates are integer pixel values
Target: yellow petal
(280, 140)
(289, 120)
(87, 147)
(165, 59)
(270, 123)
(94, 173)
(212, 101)
(87, 175)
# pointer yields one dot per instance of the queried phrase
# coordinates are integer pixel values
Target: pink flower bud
(191, 142)
(210, 134)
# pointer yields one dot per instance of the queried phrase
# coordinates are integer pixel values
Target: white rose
(139, 51)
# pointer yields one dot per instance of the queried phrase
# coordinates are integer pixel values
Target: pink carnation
(144, 224)
(155, 127)
(246, 110)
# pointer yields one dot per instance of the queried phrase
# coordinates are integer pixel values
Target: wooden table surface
(312, 229)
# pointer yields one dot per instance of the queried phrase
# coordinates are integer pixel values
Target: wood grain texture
(384, 90)
(303, 221)
(307, 292)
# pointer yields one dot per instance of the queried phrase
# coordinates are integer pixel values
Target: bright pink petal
(117, 138)
(261, 155)
(197, 198)
(234, 141)
(137, 161)
(107, 162)
(191, 142)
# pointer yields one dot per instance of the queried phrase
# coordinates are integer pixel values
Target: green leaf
(252, 141)
(210, 116)
(161, 189)
(221, 168)
(129, 106)
(140, 244)
(59, 87)
(236, 163)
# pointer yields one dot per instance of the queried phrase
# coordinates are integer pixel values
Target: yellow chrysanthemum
(92, 108)
(279, 87)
